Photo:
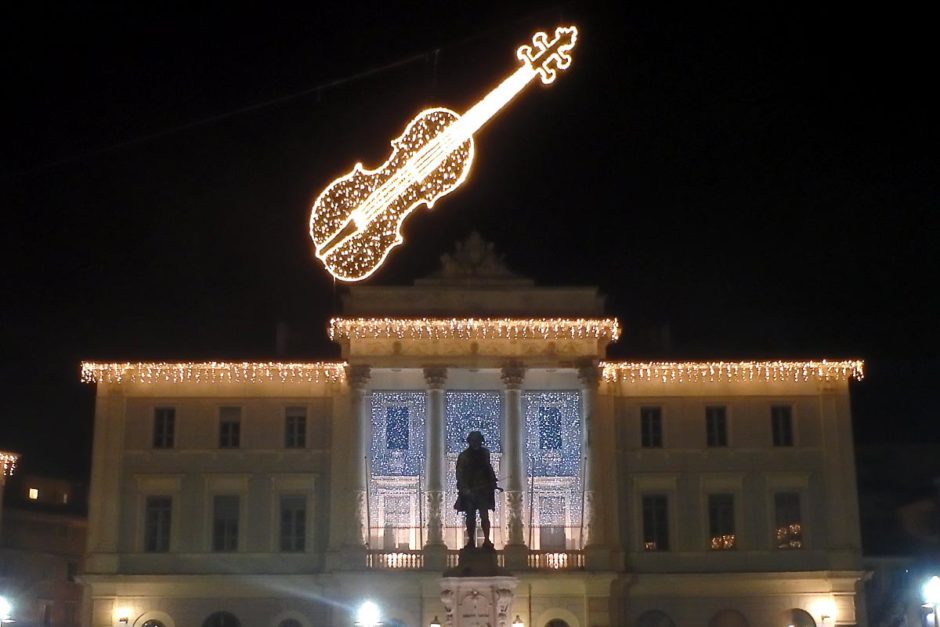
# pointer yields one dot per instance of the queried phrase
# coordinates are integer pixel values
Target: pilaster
(513, 374)
(435, 551)
(355, 539)
(596, 551)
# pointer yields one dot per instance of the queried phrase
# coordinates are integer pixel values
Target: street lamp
(6, 609)
(931, 591)
(368, 615)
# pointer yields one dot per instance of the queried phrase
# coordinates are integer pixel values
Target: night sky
(741, 183)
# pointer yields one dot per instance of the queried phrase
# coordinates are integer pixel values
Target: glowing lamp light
(931, 592)
(518, 622)
(825, 609)
(435, 622)
(6, 609)
(122, 615)
(356, 221)
(368, 614)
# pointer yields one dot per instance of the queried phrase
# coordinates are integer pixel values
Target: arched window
(290, 622)
(556, 622)
(654, 618)
(797, 618)
(221, 619)
(153, 623)
(728, 618)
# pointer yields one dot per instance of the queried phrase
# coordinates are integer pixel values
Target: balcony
(560, 561)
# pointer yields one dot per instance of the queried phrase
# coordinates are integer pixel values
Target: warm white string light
(213, 372)
(733, 371)
(475, 328)
(8, 463)
(356, 221)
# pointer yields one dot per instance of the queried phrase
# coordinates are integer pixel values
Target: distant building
(42, 550)
(900, 505)
(650, 494)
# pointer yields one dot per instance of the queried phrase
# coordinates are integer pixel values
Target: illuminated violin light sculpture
(356, 220)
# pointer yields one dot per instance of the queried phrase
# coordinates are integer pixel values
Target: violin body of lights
(356, 221)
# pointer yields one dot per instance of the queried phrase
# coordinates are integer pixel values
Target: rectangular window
(549, 428)
(293, 523)
(164, 427)
(781, 421)
(716, 426)
(655, 523)
(651, 427)
(225, 522)
(396, 428)
(295, 428)
(157, 524)
(721, 521)
(552, 516)
(788, 520)
(230, 427)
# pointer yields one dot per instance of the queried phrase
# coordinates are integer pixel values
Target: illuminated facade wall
(396, 466)
(607, 511)
(397, 458)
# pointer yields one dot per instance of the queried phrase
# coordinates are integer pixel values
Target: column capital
(589, 374)
(513, 374)
(435, 376)
(358, 375)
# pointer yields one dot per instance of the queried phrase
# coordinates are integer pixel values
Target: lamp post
(931, 593)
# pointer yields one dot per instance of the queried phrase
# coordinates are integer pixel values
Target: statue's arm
(489, 467)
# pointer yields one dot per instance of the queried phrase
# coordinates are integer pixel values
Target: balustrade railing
(414, 560)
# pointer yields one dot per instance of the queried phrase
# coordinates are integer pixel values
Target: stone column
(512, 467)
(594, 536)
(357, 534)
(435, 552)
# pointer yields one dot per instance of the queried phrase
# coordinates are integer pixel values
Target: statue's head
(475, 439)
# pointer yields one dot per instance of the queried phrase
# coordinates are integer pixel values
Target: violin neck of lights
(542, 59)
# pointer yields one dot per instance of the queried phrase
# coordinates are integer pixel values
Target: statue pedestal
(477, 592)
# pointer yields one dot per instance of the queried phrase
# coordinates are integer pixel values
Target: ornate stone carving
(514, 524)
(513, 374)
(447, 598)
(503, 606)
(473, 258)
(357, 531)
(435, 516)
(590, 529)
(435, 377)
(358, 376)
(589, 374)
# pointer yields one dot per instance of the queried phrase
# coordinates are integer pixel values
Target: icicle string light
(8, 463)
(474, 328)
(213, 372)
(733, 371)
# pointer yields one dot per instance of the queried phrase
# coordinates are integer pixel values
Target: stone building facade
(652, 494)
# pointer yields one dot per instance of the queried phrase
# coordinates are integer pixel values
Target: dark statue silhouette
(476, 488)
